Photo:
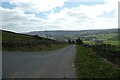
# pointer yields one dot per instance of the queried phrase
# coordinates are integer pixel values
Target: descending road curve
(53, 64)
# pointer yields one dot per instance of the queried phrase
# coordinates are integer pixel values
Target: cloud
(13, 20)
(87, 17)
(37, 5)
(76, 18)
(85, 0)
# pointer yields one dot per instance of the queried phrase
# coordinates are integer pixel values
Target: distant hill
(72, 34)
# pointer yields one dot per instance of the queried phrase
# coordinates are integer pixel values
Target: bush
(79, 42)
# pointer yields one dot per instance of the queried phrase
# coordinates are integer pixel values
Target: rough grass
(91, 65)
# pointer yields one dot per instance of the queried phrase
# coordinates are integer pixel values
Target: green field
(117, 43)
(20, 42)
(111, 38)
(91, 65)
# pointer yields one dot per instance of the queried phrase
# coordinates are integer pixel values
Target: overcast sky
(39, 15)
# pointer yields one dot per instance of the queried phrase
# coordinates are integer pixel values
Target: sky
(40, 15)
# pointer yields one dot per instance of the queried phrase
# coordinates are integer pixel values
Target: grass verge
(91, 65)
(35, 48)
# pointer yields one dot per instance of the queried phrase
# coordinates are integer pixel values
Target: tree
(69, 41)
(79, 41)
(73, 42)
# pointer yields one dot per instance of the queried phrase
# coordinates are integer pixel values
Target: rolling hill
(61, 35)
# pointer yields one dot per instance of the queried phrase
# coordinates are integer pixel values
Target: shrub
(79, 41)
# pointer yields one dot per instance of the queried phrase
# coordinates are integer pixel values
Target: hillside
(11, 36)
(21, 42)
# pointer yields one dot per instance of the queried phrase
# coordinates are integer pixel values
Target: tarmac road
(53, 64)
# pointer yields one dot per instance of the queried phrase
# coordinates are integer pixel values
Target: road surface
(53, 64)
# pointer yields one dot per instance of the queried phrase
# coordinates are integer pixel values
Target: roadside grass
(91, 65)
(35, 48)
